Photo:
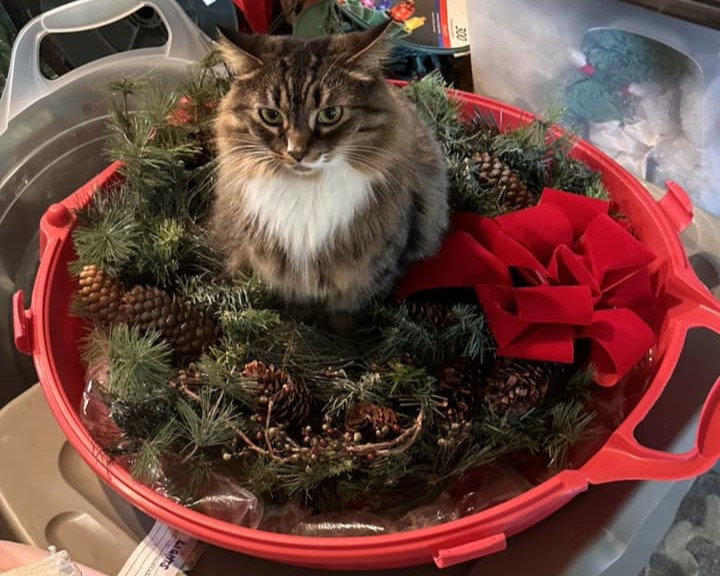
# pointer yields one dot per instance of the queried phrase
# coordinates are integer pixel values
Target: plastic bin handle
(677, 206)
(25, 83)
(624, 458)
(22, 324)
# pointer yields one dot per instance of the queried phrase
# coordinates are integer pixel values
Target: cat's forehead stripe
(304, 95)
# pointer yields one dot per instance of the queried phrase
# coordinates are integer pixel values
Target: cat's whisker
(243, 153)
(363, 161)
(398, 163)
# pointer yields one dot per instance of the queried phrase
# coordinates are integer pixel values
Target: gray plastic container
(50, 144)
(52, 134)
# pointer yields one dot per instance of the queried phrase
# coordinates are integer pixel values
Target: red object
(184, 111)
(50, 333)
(402, 11)
(584, 277)
(588, 70)
(257, 13)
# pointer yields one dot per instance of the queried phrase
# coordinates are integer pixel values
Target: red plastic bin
(49, 333)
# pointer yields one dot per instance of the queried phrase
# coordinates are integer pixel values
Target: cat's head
(302, 105)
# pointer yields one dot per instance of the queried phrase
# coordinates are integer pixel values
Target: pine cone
(371, 421)
(517, 386)
(100, 293)
(459, 383)
(291, 401)
(435, 314)
(187, 329)
(495, 174)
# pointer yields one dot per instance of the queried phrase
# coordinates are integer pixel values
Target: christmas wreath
(210, 392)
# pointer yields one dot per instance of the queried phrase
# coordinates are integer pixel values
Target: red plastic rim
(49, 331)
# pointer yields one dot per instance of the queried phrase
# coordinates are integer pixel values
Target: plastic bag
(95, 409)
(442, 510)
(488, 486)
(345, 524)
(226, 500)
(285, 518)
(639, 85)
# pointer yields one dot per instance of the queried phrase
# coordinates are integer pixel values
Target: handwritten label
(163, 552)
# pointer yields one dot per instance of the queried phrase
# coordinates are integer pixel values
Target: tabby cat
(328, 185)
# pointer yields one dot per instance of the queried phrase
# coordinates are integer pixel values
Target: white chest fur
(305, 213)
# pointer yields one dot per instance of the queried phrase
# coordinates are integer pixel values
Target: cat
(328, 183)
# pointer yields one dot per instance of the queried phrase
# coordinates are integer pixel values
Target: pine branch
(401, 334)
(569, 425)
(214, 297)
(197, 480)
(578, 385)
(94, 347)
(147, 465)
(597, 190)
(572, 175)
(249, 324)
(468, 337)
(173, 249)
(121, 91)
(510, 432)
(108, 233)
(153, 155)
(139, 364)
(461, 447)
(405, 381)
(219, 374)
(205, 423)
(341, 392)
(304, 481)
(140, 418)
(433, 102)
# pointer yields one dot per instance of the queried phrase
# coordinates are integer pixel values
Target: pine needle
(468, 336)
(569, 425)
(139, 363)
(226, 376)
(147, 466)
(597, 190)
(205, 424)
(214, 297)
(108, 236)
(249, 323)
(297, 480)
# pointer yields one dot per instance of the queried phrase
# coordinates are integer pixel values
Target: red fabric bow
(582, 276)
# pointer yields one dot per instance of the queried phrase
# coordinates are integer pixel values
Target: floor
(692, 546)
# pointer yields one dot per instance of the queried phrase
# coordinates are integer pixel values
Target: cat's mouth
(307, 168)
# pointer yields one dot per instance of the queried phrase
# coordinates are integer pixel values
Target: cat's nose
(297, 153)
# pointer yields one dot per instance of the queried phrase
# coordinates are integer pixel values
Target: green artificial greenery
(182, 423)
(536, 151)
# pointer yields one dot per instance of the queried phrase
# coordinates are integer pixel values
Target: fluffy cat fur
(327, 212)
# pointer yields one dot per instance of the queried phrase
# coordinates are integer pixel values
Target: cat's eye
(271, 116)
(330, 116)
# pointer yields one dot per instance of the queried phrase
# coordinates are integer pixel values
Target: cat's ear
(241, 52)
(368, 49)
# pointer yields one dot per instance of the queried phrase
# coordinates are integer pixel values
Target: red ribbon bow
(583, 276)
